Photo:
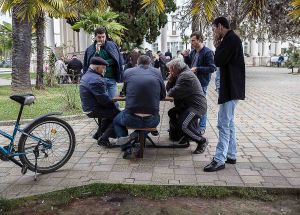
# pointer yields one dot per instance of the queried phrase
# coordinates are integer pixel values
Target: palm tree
(295, 13)
(51, 8)
(237, 10)
(25, 14)
(91, 20)
(21, 46)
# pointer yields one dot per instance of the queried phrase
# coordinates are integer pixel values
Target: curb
(70, 117)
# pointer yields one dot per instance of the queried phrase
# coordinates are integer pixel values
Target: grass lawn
(51, 99)
(154, 199)
(8, 76)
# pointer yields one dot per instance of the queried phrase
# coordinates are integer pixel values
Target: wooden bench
(142, 136)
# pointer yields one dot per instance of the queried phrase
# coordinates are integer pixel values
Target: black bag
(175, 131)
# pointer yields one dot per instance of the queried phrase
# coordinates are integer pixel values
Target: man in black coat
(95, 101)
(229, 57)
(74, 69)
(189, 99)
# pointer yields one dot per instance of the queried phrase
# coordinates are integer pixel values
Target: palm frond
(255, 8)
(158, 5)
(295, 13)
(206, 7)
(89, 21)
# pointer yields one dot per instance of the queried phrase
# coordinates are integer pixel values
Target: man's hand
(217, 39)
(194, 69)
(185, 53)
(98, 46)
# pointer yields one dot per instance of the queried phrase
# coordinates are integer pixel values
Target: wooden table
(123, 98)
(147, 137)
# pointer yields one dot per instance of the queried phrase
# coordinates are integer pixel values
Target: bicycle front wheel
(60, 139)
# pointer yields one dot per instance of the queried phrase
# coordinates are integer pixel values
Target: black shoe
(202, 132)
(154, 133)
(201, 147)
(97, 135)
(230, 161)
(184, 140)
(104, 142)
(214, 166)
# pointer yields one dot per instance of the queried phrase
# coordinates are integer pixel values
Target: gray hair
(178, 65)
(93, 66)
(143, 60)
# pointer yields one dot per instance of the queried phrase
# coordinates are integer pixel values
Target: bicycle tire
(24, 158)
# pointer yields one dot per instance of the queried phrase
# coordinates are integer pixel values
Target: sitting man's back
(144, 88)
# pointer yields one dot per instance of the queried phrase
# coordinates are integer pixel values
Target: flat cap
(98, 61)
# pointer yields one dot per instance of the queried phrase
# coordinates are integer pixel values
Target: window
(154, 47)
(174, 47)
(173, 28)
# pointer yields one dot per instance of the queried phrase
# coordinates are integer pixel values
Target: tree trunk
(195, 23)
(195, 19)
(21, 52)
(40, 34)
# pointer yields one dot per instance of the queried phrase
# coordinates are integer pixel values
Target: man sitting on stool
(143, 88)
(96, 101)
(189, 99)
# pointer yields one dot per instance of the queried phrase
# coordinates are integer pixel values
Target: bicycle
(45, 144)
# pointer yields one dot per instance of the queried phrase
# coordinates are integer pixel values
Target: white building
(5, 18)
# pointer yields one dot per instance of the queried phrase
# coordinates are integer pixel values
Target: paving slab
(268, 137)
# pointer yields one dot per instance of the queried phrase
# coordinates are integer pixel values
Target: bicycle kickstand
(36, 155)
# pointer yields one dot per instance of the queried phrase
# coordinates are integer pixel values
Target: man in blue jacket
(201, 62)
(95, 101)
(144, 88)
(109, 51)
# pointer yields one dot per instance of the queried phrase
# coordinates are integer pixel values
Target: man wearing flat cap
(95, 101)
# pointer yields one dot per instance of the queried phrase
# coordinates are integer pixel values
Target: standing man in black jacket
(229, 57)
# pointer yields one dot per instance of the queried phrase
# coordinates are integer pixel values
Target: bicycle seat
(27, 99)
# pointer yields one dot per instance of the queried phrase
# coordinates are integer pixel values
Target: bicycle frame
(9, 153)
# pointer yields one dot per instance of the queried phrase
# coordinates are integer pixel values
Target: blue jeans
(112, 87)
(125, 119)
(226, 147)
(203, 119)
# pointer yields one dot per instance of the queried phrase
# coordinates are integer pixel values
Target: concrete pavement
(268, 133)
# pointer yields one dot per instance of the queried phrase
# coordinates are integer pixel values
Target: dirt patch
(120, 204)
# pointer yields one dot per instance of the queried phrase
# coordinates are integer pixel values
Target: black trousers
(188, 122)
(105, 128)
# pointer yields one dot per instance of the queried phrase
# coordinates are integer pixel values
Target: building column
(254, 51)
(254, 47)
(273, 48)
(210, 43)
(70, 42)
(49, 34)
(82, 40)
(260, 48)
(164, 34)
(265, 52)
(278, 48)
